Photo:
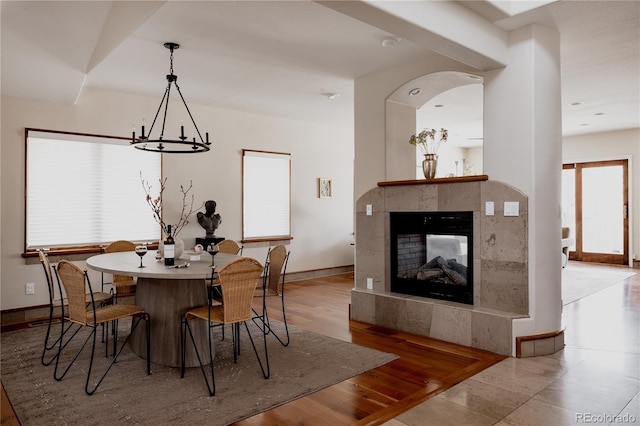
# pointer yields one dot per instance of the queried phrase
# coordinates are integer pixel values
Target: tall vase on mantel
(429, 165)
(426, 141)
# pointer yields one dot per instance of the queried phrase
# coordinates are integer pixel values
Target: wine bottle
(169, 248)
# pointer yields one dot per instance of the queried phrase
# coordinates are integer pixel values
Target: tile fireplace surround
(500, 276)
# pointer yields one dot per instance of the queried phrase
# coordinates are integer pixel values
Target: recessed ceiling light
(576, 103)
(392, 41)
(438, 106)
(332, 96)
(415, 92)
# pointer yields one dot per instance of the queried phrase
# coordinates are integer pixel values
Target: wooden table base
(166, 300)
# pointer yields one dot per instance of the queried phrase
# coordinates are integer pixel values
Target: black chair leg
(46, 339)
(92, 336)
(266, 370)
(184, 329)
(140, 317)
(262, 322)
(49, 347)
(58, 355)
(286, 327)
(147, 320)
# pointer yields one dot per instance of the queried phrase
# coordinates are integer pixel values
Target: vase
(429, 165)
(179, 247)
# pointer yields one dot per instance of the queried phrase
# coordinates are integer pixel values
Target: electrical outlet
(369, 283)
(30, 288)
(369, 210)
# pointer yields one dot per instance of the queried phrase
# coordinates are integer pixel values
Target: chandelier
(181, 145)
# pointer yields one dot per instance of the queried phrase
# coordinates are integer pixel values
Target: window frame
(63, 249)
(265, 238)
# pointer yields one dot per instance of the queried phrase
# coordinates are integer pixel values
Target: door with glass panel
(595, 208)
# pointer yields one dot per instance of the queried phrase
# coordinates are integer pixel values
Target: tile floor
(594, 380)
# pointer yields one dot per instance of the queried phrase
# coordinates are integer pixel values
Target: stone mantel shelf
(460, 179)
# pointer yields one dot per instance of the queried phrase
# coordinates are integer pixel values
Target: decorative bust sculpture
(209, 220)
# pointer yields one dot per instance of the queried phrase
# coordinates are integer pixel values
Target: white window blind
(86, 190)
(266, 195)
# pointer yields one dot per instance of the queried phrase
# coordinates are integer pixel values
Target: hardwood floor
(8, 416)
(425, 366)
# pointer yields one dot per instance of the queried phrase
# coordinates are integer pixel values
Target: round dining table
(165, 293)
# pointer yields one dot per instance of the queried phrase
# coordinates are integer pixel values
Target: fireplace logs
(443, 271)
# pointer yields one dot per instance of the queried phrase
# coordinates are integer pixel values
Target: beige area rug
(582, 280)
(128, 396)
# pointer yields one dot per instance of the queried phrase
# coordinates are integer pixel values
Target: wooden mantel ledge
(460, 179)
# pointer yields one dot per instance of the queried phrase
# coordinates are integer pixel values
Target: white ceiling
(283, 58)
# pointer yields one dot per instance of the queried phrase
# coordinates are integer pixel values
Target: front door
(595, 207)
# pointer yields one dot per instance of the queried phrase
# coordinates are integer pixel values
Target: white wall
(371, 92)
(322, 228)
(620, 145)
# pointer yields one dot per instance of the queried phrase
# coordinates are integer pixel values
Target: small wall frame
(325, 188)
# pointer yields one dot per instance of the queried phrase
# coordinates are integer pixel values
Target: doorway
(595, 207)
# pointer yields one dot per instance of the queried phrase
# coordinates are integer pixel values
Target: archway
(447, 99)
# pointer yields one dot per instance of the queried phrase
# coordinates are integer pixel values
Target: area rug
(128, 396)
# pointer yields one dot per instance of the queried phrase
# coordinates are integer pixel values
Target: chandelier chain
(171, 62)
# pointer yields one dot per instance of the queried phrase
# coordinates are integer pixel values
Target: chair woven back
(277, 258)
(73, 281)
(229, 246)
(119, 246)
(238, 282)
(44, 260)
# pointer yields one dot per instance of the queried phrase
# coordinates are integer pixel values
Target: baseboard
(316, 273)
(539, 344)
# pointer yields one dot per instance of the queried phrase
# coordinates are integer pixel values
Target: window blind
(266, 195)
(86, 190)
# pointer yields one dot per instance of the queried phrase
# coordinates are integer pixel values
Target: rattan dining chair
(238, 281)
(275, 272)
(230, 247)
(56, 302)
(122, 286)
(75, 282)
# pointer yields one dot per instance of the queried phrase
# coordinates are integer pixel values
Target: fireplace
(497, 251)
(432, 254)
